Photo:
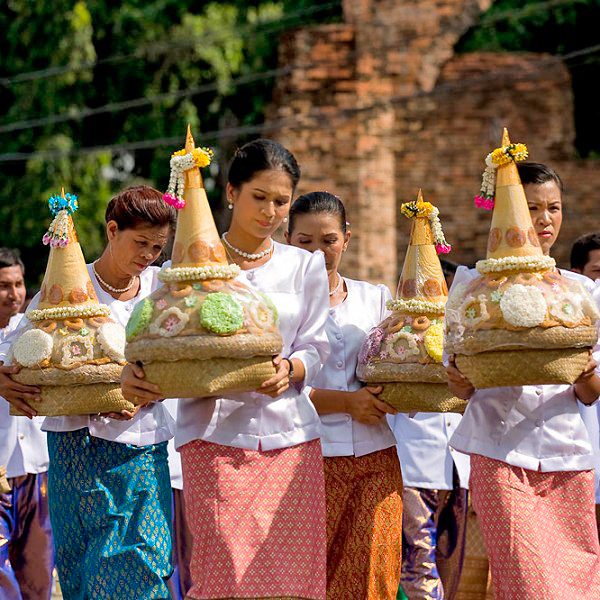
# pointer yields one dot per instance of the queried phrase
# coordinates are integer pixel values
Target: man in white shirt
(26, 555)
(585, 259)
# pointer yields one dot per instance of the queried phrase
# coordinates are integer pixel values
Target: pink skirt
(539, 530)
(257, 521)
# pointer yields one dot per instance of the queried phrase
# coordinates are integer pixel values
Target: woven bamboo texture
(84, 375)
(385, 372)
(421, 397)
(62, 400)
(215, 376)
(474, 342)
(523, 367)
(202, 347)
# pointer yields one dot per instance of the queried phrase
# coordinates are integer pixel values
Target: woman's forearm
(329, 401)
(588, 390)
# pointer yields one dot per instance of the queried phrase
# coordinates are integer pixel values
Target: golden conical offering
(197, 241)
(73, 350)
(520, 322)
(404, 353)
(202, 333)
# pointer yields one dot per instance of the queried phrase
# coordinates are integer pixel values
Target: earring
(229, 204)
(285, 219)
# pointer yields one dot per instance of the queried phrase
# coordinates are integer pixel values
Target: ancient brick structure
(379, 105)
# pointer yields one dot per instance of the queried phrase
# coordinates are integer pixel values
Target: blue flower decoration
(58, 203)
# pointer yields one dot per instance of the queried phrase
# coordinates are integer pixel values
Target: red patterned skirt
(257, 521)
(364, 526)
(539, 530)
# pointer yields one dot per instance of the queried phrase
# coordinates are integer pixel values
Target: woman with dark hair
(532, 478)
(252, 464)
(108, 481)
(363, 481)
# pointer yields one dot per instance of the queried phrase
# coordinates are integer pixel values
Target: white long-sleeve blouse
(536, 427)
(347, 326)
(296, 281)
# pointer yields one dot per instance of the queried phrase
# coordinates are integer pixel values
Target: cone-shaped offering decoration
(202, 333)
(73, 350)
(520, 322)
(404, 353)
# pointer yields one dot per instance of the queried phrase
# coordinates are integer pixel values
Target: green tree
(562, 27)
(181, 58)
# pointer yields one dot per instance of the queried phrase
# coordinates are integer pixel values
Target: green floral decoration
(270, 305)
(221, 314)
(140, 318)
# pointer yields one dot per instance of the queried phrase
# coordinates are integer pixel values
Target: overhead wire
(324, 119)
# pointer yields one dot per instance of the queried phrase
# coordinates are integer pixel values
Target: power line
(113, 107)
(261, 27)
(320, 118)
(80, 113)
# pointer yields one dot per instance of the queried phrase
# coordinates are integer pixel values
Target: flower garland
(416, 306)
(198, 273)
(419, 208)
(500, 156)
(60, 208)
(58, 313)
(180, 162)
(515, 263)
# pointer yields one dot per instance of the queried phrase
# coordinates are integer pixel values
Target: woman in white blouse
(252, 464)
(363, 481)
(532, 478)
(108, 481)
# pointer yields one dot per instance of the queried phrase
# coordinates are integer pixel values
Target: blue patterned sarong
(110, 507)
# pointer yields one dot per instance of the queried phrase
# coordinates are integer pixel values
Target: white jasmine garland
(198, 273)
(416, 306)
(32, 348)
(111, 337)
(515, 263)
(523, 306)
(59, 313)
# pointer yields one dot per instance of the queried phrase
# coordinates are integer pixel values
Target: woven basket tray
(523, 367)
(421, 397)
(211, 377)
(62, 400)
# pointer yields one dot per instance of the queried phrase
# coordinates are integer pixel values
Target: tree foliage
(62, 57)
(556, 27)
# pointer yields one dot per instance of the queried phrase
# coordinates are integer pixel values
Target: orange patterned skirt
(364, 526)
(257, 521)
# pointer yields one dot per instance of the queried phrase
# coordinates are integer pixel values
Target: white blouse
(151, 425)
(535, 427)
(23, 446)
(426, 458)
(347, 326)
(296, 281)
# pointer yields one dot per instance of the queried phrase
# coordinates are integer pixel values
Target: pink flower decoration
(161, 304)
(75, 350)
(46, 239)
(485, 202)
(443, 248)
(371, 345)
(174, 201)
(170, 323)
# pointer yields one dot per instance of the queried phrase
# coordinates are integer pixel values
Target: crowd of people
(311, 487)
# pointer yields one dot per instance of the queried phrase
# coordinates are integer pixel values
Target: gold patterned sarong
(364, 526)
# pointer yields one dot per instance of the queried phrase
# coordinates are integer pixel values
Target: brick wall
(380, 106)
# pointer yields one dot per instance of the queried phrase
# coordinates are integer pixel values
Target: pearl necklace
(337, 287)
(110, 287)
(247, 255)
